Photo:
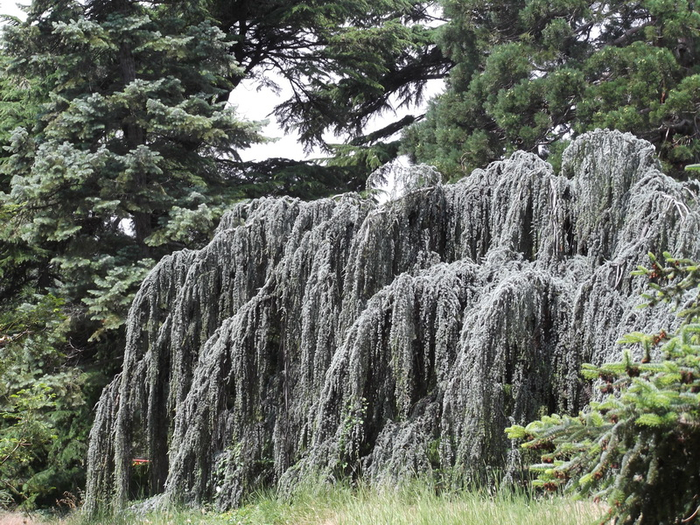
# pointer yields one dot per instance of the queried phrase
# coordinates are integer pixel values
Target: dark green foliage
(43, 406)
(638, 447)
(121, 115)
(302, 179)
(124, 146)
(16, 109)
(531, 75)
(345, 60)
(19, 260)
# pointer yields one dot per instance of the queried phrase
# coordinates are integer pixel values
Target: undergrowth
(341, 504)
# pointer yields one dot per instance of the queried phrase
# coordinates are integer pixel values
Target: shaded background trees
(346, 62)
(124, 145)
(530, 75)
(117, 150)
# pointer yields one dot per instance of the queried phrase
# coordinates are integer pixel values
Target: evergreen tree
(531, 74)
(45, 405)
(121, 112)
(18, 260)
(639, 446)
(345, 60)
(119, 167)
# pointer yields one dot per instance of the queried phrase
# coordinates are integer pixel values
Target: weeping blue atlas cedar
(342, 337)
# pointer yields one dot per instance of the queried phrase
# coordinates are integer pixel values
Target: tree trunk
(135, 136)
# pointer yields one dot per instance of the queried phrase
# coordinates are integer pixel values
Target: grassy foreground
(416, 504)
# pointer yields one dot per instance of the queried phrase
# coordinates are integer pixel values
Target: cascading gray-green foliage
(345, 338)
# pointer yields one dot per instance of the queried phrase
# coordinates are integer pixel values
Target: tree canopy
(532, 74)
(120, 145)
(123, 150)
(346, 60)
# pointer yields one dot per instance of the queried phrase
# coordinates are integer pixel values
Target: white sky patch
(257, 105)
(11, 7)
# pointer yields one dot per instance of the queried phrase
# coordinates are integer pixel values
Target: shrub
(44, 418)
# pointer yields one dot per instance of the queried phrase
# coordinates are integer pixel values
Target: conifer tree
(18, 259)
(531, 75)
(119, 167)
(346, 61)
(120, 110)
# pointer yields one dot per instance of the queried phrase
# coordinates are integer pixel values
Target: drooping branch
(344, 338)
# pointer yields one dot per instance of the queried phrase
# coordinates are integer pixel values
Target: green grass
(416, 504)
